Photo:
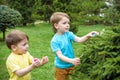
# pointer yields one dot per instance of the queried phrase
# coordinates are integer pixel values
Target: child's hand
(36, 62)
(93, 33)
(75, 61)
(44, 60)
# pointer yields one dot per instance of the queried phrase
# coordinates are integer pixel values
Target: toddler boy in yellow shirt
(19, 63)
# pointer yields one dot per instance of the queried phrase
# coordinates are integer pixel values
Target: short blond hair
(56, 17)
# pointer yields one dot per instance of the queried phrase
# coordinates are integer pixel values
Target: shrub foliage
(100, 57)
(9, 18)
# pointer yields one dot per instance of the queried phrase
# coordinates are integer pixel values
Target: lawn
(39, 46)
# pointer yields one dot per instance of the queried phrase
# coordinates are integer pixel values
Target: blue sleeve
(54, 46)
(71, 36)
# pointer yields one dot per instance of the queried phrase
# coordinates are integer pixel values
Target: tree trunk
(3, 31)
(4, 35)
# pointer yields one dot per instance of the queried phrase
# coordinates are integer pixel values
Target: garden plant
(100, 57)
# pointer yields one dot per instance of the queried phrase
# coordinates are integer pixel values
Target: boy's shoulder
(59, 37)
(66, 33)
(13, 55)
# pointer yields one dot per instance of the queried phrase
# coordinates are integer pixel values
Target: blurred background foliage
(86, 12)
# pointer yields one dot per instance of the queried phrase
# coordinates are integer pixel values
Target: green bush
(100, 57)
(9, 18)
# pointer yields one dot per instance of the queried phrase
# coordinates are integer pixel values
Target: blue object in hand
(94, 34)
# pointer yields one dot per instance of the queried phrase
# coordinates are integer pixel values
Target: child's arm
(36, 63)
(74, 61)
(24, 71)
(86, 37)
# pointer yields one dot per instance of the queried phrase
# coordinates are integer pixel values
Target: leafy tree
(91, 10)
(9, 18)
(111, 16)
(116, 4)
(46, 2)
(100, 57)
(25, 7)
(50, 6)
(2, 2)
(111, 12)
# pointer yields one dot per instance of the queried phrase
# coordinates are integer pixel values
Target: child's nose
(68, 25)
(27, 46)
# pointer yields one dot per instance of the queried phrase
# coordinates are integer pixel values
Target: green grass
(39, 46)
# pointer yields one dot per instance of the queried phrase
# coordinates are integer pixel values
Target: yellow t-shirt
(15, 62)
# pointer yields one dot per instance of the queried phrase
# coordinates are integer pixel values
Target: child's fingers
(77, 61)
(35, 59)
(45, 58)
(94, 33)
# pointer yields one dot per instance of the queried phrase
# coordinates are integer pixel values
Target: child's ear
(55, 25)
(13, 47)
